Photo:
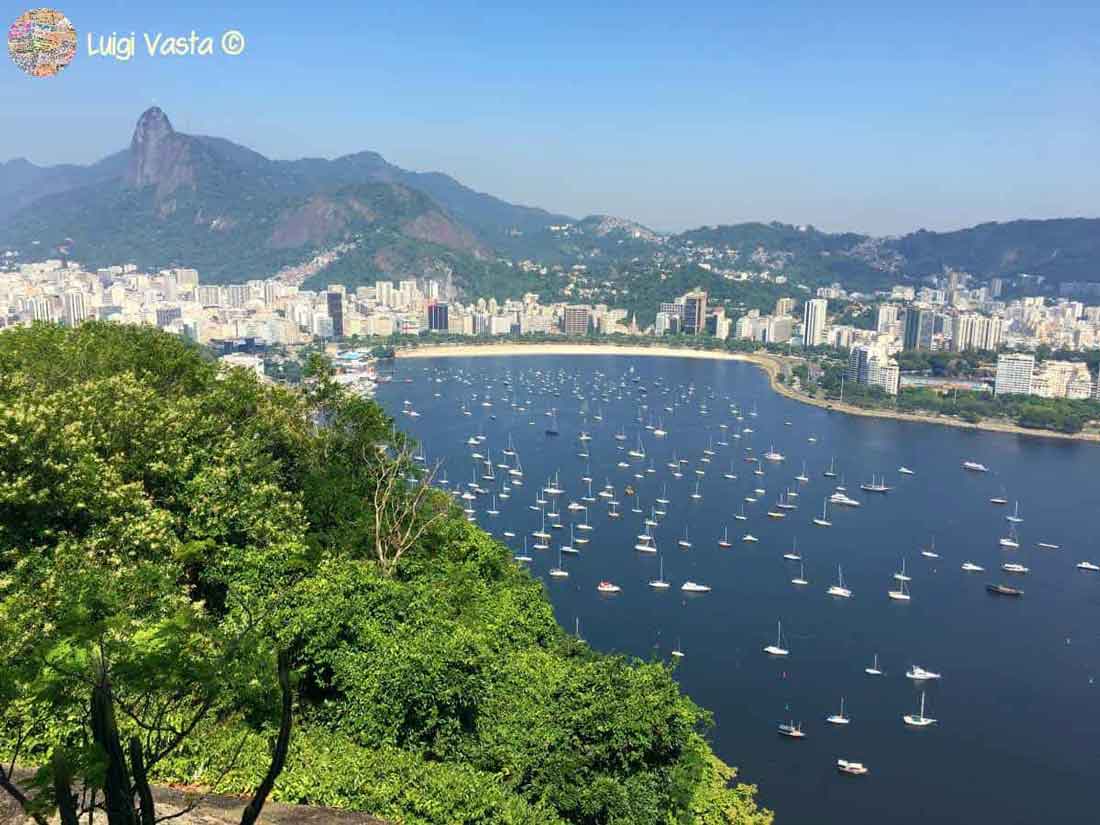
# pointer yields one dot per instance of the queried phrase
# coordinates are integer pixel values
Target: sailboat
(800, 579)
(559, 572)
(638, 451)
(777, 649)
(792, 554)
(838, 718)
(725, 540)
(1015, 517)
(839, 589)
(493, 511)
(525, 557)
(696, 495)
(1010, 542)
(659, 583)
(929, 552)
(741, 516)
(684, 542)
(831, 472)
(873, 670)
(569, 548)
(900, 595)
(919, 720)
(901, 575)
(731, 475)
(824, 520)
(802, 476)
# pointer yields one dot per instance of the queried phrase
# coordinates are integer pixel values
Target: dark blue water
(1018, 736)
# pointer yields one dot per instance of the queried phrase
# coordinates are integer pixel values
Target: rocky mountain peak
(159, 156)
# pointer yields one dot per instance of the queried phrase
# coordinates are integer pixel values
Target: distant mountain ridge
(203, 201)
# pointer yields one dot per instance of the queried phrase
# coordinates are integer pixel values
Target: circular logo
(42, 42)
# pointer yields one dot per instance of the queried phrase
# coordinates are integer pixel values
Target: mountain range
(172, 199)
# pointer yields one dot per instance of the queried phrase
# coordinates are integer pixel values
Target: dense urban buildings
(945, 316)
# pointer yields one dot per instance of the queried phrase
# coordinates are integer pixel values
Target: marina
(669, 538)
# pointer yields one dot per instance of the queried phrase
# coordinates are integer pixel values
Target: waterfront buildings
(871, 366)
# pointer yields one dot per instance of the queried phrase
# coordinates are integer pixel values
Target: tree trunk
(13, 791)
(141, 783)
(282, 744)
(118, 794)
(63, 790)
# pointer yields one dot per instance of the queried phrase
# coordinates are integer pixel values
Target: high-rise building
(919, 327)
(166, 315)
(74, 308)
(575, 320)
(438, 319)
(813, 322)
(887, 317)
(1015, 372)
(695, 313)
(784, 306)
(336, 313)
(872, 367)
(976, 332)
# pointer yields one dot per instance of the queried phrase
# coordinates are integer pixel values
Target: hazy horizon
(870, 120)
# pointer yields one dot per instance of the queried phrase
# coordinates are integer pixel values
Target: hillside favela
(608, 415)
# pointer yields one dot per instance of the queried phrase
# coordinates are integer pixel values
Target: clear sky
(872, 116)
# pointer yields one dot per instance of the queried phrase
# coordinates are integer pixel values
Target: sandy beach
(771, 364)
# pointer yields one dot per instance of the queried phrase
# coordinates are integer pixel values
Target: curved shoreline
(771, 364)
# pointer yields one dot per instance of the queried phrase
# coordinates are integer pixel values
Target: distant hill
(202, 201)
(175, 199)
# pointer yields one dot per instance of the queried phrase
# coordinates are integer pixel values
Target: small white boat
(1015, 517)
(975, 467)
(839, 589)
(901, 594)
(749, 537)
(1012, 567)
(905, 471)
(608, 587)
(685, 542)
(1048, 546)
(1088, 565)
(824, 520)
(777, 649)
(659, 583)
(800, 579)
(919, 674)
(838, 718)
(852, 768)
(919, 720)
(791, 730)
(694, 587)
(970, 567)
(873, 670)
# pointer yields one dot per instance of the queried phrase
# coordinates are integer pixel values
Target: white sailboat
(873, 670)
(838, 718)
(559, 572)
(777, 649)
(839, 589)
(901, 594)
(659, 583)
(824, 520)
(685, 542)
(919, 720)
(725, 540)
(800, 579)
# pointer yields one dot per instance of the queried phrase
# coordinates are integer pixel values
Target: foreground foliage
(179, 538)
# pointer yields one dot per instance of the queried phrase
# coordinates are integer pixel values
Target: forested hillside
(214, 581)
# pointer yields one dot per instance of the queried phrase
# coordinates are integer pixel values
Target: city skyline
(714, 118)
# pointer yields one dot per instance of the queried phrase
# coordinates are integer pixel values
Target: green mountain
(173, 199)
(181, 200)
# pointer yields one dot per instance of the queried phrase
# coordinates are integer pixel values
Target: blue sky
(846, 115)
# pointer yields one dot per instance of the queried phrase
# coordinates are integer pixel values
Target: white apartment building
(1014, 374)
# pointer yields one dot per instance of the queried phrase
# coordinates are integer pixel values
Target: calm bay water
(1018, 736)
